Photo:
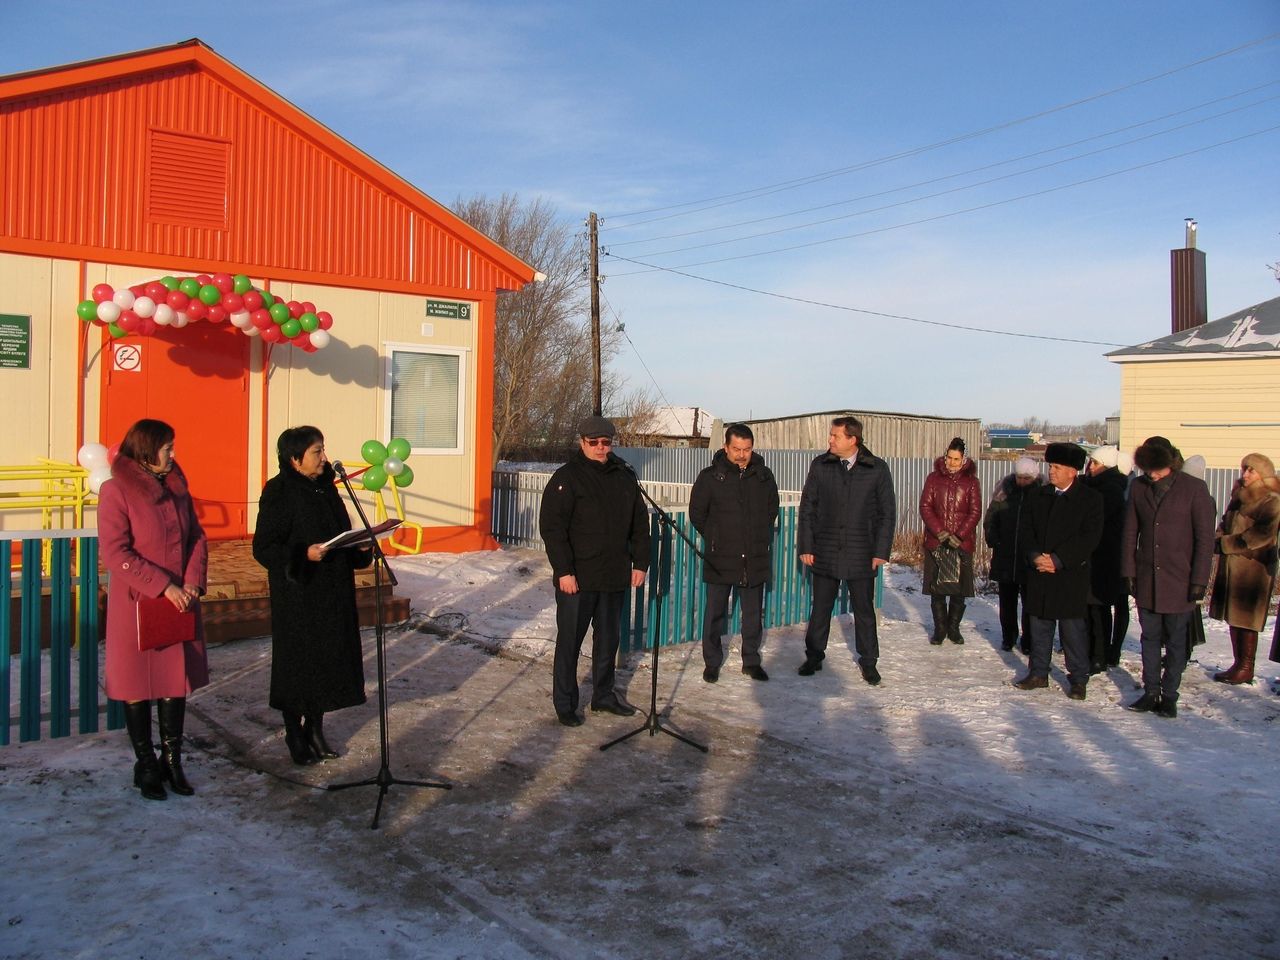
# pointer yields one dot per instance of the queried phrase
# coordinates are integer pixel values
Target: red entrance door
(197, 380)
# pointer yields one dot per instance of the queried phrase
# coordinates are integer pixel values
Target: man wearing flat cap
(596, 530)
(1166, 555)
(1060, 530)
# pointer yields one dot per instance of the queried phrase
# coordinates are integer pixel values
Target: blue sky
(622, 109)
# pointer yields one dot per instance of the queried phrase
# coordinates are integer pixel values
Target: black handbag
(946, 570)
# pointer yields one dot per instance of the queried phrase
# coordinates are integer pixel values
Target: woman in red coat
(153, 546)
(950, 506)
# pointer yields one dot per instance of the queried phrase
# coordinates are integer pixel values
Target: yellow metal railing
(58, 491)
(406, 538)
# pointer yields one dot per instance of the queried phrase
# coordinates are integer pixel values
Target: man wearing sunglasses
(596, 531)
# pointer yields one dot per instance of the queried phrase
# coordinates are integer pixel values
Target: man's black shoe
(809, 667)
(1077, 691)
(615, 707)
(755, 672)
(1167, 708)
(870, 673)
(711, 674)
(1007, 644)
(569, 719)
(1032, 682)
(1144, 704)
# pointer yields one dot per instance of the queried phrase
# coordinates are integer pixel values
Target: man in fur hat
(1165, 557)
(1060, 530)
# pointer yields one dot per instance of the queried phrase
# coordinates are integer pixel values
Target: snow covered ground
(942, 814)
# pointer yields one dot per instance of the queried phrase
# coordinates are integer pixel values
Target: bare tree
(542, 355)
(635, 413)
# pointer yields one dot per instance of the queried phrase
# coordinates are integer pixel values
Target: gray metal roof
(1254, 331)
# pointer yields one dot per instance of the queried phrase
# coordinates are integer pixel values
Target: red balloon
(138, 290)
(233, 302)
(113, 451)
(325, 318)
(300, 340)
(295, 309)
(261, 319)
(177, 299)
(196, 310)
(102, 292)
(252, 300)
(224, 282)
(157, 291)
(204, 280)
(309, 347)
(128, 321)
(217, 313)
(308, 306)
(272, 334)
(147, 326)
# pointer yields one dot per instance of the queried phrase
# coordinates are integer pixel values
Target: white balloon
(108, 312)
(144, 307)
(393, 466)
(98, 476)
(250, 330)
(180, 319)
(164, 314)
(242, 319)
(92, 455)
(320, 338)
(123, 299)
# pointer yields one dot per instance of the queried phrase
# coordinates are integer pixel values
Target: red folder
(161, 624)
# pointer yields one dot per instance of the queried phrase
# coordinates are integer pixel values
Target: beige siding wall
(1203, 406)
(886, 435)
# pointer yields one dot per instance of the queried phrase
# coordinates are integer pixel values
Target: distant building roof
(679, 422)
(1252, 332)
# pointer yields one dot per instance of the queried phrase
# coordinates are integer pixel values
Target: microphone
(339, 469)
(617, 459)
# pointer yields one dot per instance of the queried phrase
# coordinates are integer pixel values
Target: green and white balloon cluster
(386, 462)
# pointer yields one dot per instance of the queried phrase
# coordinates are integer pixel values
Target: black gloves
(1197, 592)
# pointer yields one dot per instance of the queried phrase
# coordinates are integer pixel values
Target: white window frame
(390, 350)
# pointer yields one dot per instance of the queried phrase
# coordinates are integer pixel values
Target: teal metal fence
(68, 598)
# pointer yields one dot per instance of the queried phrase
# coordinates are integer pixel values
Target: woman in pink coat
(152, 546)
(950, 506)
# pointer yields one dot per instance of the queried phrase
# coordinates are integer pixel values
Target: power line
(622, 329)
(971, 170)
(753, 193)
(953, 213)
(872, 313)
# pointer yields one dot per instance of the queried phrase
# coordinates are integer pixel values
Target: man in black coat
(1061, 528)
(734, 505)
(1000, 528)
(845, 533)
(1108, 619)
(596, 531)
(1166, 556)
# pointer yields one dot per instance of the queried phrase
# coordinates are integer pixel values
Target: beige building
(1211, 389)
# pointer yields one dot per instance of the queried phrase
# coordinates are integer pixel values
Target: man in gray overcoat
(1165, 555)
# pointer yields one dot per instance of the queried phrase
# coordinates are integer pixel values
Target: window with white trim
(427, 389)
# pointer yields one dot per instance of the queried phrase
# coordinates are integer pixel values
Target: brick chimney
(1186, 268)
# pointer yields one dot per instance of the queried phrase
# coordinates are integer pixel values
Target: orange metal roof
(175, 155)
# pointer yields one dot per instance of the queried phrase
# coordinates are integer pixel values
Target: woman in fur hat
(1247, 565)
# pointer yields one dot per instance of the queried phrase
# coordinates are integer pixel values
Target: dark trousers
(716, 614)
(1108, 624)
(1013, 629)
(1075, 648)
(1167, 630)
(574, 613)
(861, 599)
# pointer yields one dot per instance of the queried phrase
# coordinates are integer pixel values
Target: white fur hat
(1108, 456)
(1124, 462)
(1026, 467)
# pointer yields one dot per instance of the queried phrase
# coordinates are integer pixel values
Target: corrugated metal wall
(886, 434)
(94, 167)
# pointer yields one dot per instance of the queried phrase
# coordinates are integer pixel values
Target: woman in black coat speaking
(316, 661)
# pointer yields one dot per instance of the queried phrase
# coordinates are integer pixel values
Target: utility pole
(596, 403)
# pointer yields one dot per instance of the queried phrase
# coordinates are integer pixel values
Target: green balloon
(209, 294)
(267, 299)
(404, 477)
(170, 283)
(373, 451)
(375, 478)
(309, 322)
(87, 310)
(190, 286)
(399, 448)
(291, 328)
(116, 332)
(242, 284)
(279, 312)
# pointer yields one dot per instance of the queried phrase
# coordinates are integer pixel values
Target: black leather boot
(146, 771)
(955, 611)
(938, 607)
(313, 733)
(171, 712)
(296, 740)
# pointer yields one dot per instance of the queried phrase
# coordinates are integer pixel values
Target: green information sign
(15, 341)
(449, 309)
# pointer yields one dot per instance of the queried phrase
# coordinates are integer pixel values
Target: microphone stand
(665, 525)
(384, 778)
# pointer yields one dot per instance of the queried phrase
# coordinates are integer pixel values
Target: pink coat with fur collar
(149, 537)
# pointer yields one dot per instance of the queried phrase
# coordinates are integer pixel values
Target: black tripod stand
(384, 778)
(662, 583)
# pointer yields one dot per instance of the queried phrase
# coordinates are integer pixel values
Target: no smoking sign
(128, 357)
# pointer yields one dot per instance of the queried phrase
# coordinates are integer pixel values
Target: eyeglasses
(598, 441)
